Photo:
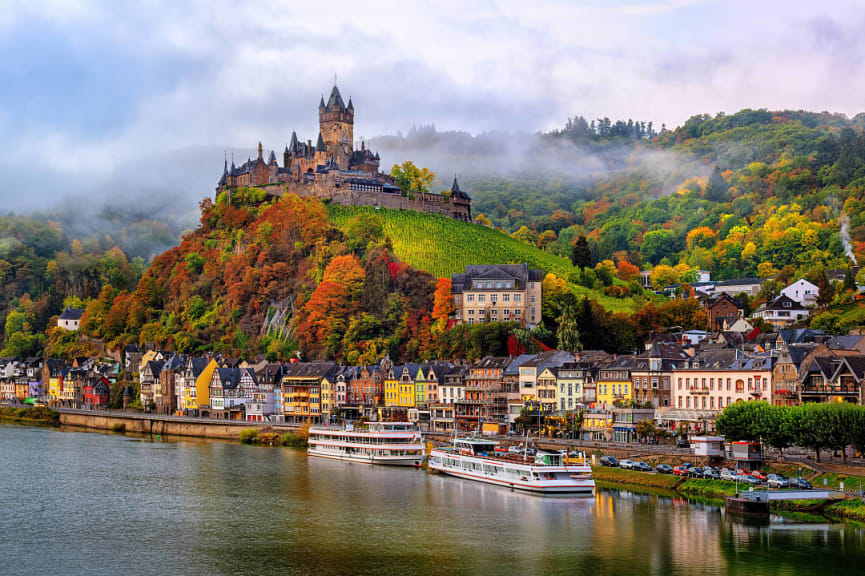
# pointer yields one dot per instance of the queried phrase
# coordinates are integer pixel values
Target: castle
(332, 169)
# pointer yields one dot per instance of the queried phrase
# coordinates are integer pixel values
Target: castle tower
(336, 122)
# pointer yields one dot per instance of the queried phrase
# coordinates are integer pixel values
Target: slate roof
(456, 192)
(72, 313)
(311, 370)
(492, 363)
(335, 103)
(513, 368)
(519, 272)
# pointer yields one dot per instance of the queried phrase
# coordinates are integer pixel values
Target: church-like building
(334, 170)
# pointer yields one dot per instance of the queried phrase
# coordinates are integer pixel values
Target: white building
(781, 312)
(802, 291)
(70, 319)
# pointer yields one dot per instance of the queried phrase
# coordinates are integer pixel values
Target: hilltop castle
(332, 169)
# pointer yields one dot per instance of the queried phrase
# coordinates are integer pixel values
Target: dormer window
(788, 304)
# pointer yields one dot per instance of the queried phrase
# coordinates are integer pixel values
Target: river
(92, 503)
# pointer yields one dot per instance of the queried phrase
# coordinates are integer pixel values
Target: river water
(91, 503)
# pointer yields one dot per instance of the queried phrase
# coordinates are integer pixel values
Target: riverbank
(718, 490)
(40, 415)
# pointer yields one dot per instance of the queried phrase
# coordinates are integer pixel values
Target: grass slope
(443, 246)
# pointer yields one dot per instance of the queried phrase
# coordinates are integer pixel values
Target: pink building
(714, 379)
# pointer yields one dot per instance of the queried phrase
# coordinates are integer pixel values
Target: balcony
(698, 390)
(830, 389)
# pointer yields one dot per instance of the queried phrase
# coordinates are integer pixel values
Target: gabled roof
(72, 313)
(513, 368)
(492, 363)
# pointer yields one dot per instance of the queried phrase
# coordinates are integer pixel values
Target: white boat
(545, 473)
(392, 443)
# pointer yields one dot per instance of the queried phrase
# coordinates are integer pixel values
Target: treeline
(829, 426)
(579, 129)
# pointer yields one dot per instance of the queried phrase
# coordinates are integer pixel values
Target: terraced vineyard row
(443, 246)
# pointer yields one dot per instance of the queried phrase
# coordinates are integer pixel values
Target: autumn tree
(627, 271)
(411, 179)
(442, 303)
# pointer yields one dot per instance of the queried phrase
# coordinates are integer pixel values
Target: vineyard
(443, 246)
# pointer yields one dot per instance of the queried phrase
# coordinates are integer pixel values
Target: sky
(121, 99)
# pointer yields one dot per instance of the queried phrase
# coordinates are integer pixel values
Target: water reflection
(104, 504)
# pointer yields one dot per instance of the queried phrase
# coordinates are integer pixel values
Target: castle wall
(431, 203)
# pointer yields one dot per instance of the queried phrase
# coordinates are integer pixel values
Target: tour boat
(393, 443)
(544, 473)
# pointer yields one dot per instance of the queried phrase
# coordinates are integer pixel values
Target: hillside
(444, 246)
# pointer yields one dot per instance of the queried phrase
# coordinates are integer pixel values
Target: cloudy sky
(96, 95)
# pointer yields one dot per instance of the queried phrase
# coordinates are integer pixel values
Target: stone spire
(260, 152)
(293, 145)
(319, 145)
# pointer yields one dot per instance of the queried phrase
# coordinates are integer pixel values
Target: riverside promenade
(164, 425)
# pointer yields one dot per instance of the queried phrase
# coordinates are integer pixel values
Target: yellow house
(391, 386)
(614, 382)
(327, 397)
(202, 387)
(546, 389)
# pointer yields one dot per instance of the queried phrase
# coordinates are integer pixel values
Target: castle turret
(336, 121)
(260, 153)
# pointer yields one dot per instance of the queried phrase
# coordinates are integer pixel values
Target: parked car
(799, 483)
(682, 470)
(776, 481)
(609, 461)
(727, 474)
(748, 479)
(683, 443)
(664, 469)
(759, 475)
(711, 474)
(696, 472)
(627, 464)
(642, 467)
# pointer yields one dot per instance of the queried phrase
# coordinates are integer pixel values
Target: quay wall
(166, 426)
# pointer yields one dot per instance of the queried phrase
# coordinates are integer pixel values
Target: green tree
(826, 291)
(581, 254)
(568, 333)
(849, 280)
(717, 188)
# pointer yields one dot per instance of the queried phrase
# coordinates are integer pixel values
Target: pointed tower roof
(335, 103)
(350, 105)
(319, 145)
(456, 185)
(293, 145)
(224, 180)
(272, 158)
(260, 152)
(321, 102)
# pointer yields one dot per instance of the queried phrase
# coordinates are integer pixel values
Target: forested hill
(744, 194)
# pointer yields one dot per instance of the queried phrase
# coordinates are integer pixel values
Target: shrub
(292, 440)
(249, 436)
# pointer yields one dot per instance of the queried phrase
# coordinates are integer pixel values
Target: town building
(614, 382)
(70, 318)
(782, 312)
(497, 292)
(802, 292)
(301, 388)
(722, 311)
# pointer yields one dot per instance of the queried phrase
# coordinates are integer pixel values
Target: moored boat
(391, 443)
(544, 473)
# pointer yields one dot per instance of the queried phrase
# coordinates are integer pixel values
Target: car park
(609, 461)
(641, 466)
(664, 469)
(799, 483)
(627, 464)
